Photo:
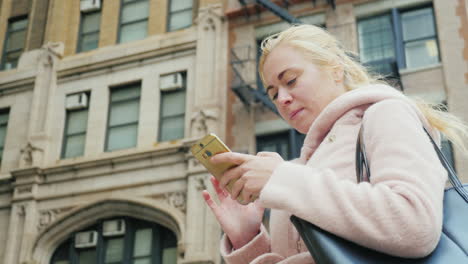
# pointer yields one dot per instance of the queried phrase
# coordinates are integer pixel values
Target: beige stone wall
(4, 223)
(158, 17)
(449, 19)
(427, 83)
(109, 23)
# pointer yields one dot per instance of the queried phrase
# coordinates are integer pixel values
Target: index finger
(231, 157)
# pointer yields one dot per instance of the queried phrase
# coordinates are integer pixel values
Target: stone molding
(51, 235)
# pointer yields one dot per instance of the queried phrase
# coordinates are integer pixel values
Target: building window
(76, 125)
(4, 114)
(172, 118)
(287, 143)
(15, 40)
(89, 31)
(180, 14)
(124, 109)
(119, 240)
(133, 20)
(399, 40)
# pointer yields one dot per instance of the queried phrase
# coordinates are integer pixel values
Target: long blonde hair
(324, 50)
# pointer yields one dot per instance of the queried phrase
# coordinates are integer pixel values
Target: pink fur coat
(399, 212)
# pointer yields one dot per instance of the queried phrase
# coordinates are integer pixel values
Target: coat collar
(366, 95)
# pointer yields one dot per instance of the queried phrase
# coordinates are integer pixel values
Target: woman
(321, 92)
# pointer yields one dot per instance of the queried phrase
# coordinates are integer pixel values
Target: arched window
(120, 240)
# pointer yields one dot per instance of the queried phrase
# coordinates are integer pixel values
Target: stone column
(341, 22)
(23, 226)
(35, 151)
(209, 106)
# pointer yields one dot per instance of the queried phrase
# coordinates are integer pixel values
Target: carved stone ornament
(200, 183)
(21, 209)
(213, 12)
(46, 217)
(177, 200)
(51, 50)
(27, 153)
(199, 122)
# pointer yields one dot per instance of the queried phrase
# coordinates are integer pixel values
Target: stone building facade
(99, 107)
(100, 103)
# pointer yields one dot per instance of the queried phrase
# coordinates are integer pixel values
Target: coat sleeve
(399, 212)
(256, 251)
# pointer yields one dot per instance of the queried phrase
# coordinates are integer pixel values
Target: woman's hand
(251, 174)
(241, 223)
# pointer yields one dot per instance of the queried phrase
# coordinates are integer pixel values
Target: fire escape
(242, 58)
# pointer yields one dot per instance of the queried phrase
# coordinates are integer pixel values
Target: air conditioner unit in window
(171, 82)
(113, 227)
(86, 239)
(77, 101)
(90, 5)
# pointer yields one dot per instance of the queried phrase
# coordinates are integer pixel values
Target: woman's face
(299, 89)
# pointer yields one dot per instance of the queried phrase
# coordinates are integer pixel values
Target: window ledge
(420, 69)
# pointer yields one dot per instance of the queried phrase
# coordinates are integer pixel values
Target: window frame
(4, 111)
(160, 234)
(7, 37)
(170, 13)
(81, 34)
(65, 130)
(184, 113)
(397, 26)
(108, 127)
(121, 25)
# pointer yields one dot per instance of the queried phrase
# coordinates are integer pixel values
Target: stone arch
(141, 208)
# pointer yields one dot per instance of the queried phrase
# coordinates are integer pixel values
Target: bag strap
(362, 161)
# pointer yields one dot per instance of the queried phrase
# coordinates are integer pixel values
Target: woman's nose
(284, 97)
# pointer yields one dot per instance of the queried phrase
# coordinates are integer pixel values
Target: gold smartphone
(207, 147)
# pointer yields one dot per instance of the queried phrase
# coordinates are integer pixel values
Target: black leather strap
(363, 162)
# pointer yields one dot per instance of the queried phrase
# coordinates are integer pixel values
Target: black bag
(453, 245)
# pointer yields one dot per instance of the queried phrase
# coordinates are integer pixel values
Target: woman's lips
(294, 113)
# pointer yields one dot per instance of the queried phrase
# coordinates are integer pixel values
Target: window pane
(173, 103)
(19, 24)
(143, 241)
(177, 5)
(180, 20)
(134, 11)
(2, 136)
(12, 60)
(3, 118)
(87, 257)
(172, 128)
(124, 113)
(376, 38)
(89, 41)
(122, 137)
(74, 146)
(133, 31)
(144, 261)
(16, 40)
(418, 24)
(129, 92)
(62, 262)
(77, 122)
(91, 22)
(169, 256)
(114, 250)
(421, 53)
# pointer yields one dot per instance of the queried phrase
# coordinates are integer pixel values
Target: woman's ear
(338, 73)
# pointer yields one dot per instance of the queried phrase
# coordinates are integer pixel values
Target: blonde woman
(321, 92)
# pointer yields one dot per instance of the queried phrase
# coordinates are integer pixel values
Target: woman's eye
(291, 82)
(274, 96)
